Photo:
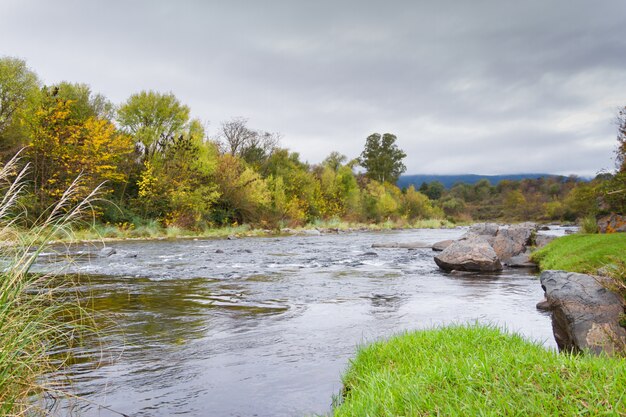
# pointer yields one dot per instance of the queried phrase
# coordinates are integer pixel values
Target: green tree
(153, 119)
(19, 93)
(382, 158)
(335, 160)
(85, 103)
(435, 190)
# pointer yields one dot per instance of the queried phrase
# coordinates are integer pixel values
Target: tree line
(159, 163)
(156, 162)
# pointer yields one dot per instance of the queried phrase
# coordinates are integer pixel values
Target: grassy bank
(586, 253)
(478, 371)
(596, 254)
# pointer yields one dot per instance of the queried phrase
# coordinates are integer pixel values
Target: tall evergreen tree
(382, 158)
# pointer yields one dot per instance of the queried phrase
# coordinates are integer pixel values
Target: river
(266, 326)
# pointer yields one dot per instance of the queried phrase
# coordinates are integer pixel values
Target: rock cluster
(612, 223)
(585, 315)
(487, 247)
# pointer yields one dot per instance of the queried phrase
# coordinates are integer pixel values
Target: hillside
(449, 180)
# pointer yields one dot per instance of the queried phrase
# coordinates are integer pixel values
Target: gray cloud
(480, 86)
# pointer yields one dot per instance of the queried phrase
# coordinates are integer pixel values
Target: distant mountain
(449, 180)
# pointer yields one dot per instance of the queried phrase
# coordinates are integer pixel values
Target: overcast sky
(476, 86)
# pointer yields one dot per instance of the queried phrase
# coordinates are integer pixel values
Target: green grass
(585, 253)
(478, 371)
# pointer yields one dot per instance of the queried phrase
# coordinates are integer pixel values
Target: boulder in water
(471, 253)
(484, 229)
(106, 252)
(521, 261)
(439, 246)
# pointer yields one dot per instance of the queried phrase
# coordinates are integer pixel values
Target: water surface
(266, 326)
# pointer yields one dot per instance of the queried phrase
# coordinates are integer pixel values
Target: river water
(266, 326)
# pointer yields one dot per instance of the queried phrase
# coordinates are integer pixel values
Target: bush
(589, 225)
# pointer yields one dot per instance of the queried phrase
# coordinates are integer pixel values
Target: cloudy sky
(478, 86)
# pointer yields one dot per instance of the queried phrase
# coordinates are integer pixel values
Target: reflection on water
(266, 326)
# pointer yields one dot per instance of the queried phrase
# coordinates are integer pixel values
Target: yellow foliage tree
(63, 147)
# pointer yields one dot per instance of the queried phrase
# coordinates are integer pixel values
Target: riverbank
(595, 254)
(154, 230)
(477, 370)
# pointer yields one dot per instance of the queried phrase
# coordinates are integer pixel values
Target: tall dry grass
(38, 327)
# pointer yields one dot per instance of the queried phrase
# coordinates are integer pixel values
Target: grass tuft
(477, 370)
(36, 324)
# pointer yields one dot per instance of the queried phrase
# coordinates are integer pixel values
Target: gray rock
(511, 241)
(232, 237)
(505, 247)
(612, 223)
(521, 261)
(518, 233)
(484, 229)
(402, 245)
(543, 240)
(544, 305)
(471, 253)
(370, 254)
(544, 228)
(106, 252)
(585, 315)
(439, 246)
(219, 251)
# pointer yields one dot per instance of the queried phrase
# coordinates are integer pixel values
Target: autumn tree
(176, 186)
(244, 194)
(339, 188)
(66, 143)
(291, 178)
(382, 158)
(416, 205)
